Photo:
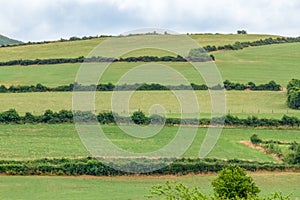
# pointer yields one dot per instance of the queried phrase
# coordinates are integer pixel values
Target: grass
(84, 47)
(240, 103)
(272, 62)
(33, 187)
(257, 64)
(38, 141)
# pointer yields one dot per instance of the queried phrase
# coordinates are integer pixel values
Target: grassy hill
(72, 49)
(5, 40)
(257, 64)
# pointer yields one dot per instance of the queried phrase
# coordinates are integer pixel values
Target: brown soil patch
(249, 144)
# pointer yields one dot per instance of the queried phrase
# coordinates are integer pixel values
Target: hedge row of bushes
(94, 167)
(293, 94)
(138, 117)
(292, 156)
(272, 86)
(99, 59)
(242, 45)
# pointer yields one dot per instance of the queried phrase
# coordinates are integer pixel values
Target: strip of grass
(127, 187)
(39, 141)
(268, 104)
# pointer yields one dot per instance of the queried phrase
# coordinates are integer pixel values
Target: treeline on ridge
(73, 38)
(138, 117)
(271, 86)
(293, 94)
(242, 45)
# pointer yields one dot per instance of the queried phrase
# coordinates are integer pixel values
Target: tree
(138, 117)
(241, 32)
(255, 140)
(233, 183)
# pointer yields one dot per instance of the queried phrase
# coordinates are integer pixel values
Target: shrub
(255, 140)
(138, 117)
(233, 183)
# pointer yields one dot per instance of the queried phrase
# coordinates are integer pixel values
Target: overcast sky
(35, 20)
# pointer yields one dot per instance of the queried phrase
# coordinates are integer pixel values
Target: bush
(255, 140)
(293, 94)
(176, 192)
(233, 183)
(138, 117)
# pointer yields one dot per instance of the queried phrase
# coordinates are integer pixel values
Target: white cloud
(52, 19)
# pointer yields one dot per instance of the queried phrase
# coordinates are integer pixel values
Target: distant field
(40, 141)
(276, 62)
(82, 188)
(241, 103)
(83, 48)
(256, 64)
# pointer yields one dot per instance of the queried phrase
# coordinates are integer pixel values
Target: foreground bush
(233, 182)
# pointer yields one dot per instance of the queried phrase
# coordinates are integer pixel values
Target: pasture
(269, 104)
(256, 64)
(39, 141)
(74, 49)
(81, 188)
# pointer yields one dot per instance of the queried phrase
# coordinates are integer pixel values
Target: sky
(38, 20)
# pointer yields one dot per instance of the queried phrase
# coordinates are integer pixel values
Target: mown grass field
(38, 141)
(240, 103)
(257, 64)
(84, 47)
(118, 187)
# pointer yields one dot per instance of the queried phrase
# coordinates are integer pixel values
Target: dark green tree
(233, 183)
(138, 117)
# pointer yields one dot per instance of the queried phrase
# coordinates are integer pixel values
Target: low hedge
(66, 116)
(94, 167)
(271, 86)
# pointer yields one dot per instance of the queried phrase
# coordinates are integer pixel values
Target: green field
(25, 142)
(72, 188)
(240, 103)
(38, 141)
(84, 47)
(256, 64)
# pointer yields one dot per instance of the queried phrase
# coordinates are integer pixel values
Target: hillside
(72, 49)
(6, 41)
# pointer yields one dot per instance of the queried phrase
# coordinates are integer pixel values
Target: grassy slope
(276, 62)
(240, 103)
(257, 64)
(39, 141)
(126, 188)
(82, 48)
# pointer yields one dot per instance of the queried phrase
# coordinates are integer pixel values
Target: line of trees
(293, 94)
(94, 167)
(73, 38)
(271, 86)
(242, 45)
(138, 117)
(100, 59)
